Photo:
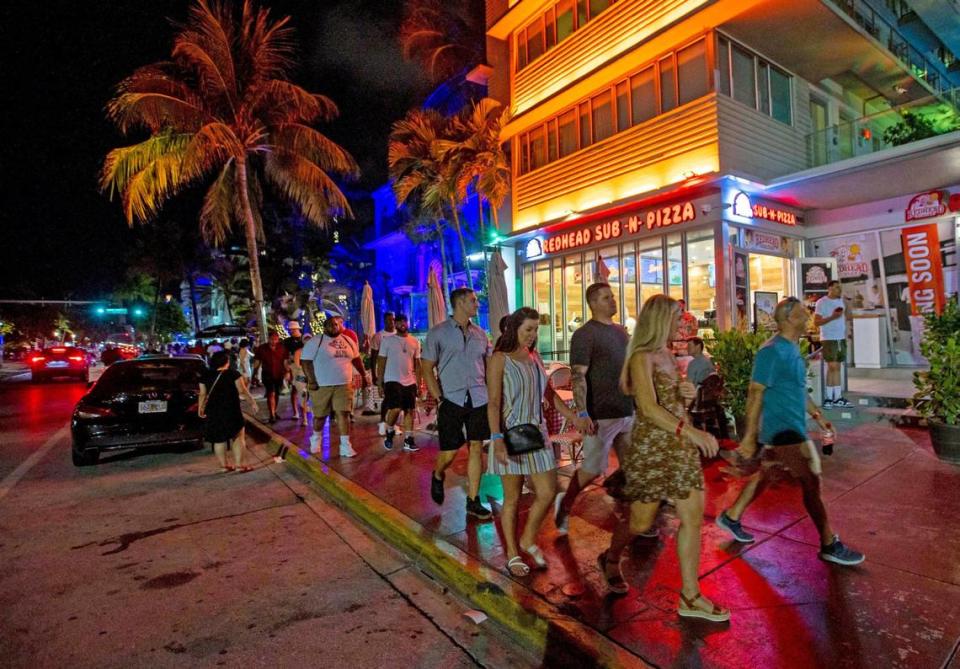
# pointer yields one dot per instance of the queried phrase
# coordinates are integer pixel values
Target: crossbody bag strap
(206, 400)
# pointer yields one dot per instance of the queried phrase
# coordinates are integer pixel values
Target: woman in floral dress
(662, 459)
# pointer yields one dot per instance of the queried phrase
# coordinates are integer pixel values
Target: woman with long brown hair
(662, 459)
(517, 385)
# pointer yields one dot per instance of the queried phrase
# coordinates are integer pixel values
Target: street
(158, 559)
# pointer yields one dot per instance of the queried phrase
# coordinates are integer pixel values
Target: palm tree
(474, 156)
(420, 177)
(444, 36)
(223, 107)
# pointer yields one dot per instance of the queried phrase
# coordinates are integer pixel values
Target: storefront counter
(870, 339)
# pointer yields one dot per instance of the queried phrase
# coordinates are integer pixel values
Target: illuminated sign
(921, 251)
(534, 248)
(926, 205)
(743, 207)
(602, 232)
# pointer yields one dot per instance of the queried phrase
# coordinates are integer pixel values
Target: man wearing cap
(292, 344)
(328, 362)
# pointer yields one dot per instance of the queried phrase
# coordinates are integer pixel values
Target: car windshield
(149, 376)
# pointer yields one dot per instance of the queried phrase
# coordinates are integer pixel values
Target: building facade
(730, 152)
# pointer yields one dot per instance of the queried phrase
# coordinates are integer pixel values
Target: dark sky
(62, 60)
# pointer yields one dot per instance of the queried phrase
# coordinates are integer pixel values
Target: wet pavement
(887, 495)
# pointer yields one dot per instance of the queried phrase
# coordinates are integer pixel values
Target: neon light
(660, 217)
(742, 206)
(534, 248)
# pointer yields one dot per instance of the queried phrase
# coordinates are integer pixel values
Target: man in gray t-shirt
(597, 350)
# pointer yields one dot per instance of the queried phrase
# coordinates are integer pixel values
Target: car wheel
(85, 458)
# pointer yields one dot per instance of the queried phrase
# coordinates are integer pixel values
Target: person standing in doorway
(604, 412)
(376, 343)
(398, 373)
(777, 404)
(271, 360)
(454, 365)
(829, 316)
(333, 358)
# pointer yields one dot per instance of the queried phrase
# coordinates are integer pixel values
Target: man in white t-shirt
(332, 357)
(398, 374)
(376, 342)
(828, 315)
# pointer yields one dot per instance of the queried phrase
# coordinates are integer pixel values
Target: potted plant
(937, 396)
(732, 352)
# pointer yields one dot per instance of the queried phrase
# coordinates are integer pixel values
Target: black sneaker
(837, 553)
(388, 440)
(828, 404)
(734, 527)
(478, 510)
(842, 403)
(410, 446)
(436, 489)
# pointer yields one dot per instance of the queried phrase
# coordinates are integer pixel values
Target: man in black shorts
(456, 351)
(271, 359)
(398, 375)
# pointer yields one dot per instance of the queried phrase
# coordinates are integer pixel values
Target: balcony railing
(867, 18)
(865, 135)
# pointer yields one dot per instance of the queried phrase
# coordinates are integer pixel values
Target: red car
(59, 361)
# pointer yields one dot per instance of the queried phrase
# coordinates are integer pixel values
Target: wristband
(496, 435)
(815, 415)
(679, 428)
(583, 414)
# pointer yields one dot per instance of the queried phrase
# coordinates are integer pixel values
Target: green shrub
(733, 352)
(938, 390)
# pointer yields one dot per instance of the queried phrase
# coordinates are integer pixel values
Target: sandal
(615, 583)
(688, 610)
(244, 469)
(536, 555)
(227, 470)
(517, 567)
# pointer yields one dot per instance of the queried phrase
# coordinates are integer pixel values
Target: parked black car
(139, 403)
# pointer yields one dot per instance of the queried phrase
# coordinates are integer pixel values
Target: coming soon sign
(921, 251)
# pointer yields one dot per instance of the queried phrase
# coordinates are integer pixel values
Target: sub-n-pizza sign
(609, 230)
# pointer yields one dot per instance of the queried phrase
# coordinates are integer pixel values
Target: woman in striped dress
(517, 386)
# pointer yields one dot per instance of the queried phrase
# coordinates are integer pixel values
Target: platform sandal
(517, 567)
(688, 610)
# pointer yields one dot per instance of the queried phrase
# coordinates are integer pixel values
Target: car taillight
(89, 411)
(76, 358)
(37, 358)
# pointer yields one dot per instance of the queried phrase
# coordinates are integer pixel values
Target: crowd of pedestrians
(629, 397)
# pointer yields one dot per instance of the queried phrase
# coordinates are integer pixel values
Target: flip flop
(244, 469)
(615, 583)
(536, 555)
(227, 470)
(517, 567)
(688, 610)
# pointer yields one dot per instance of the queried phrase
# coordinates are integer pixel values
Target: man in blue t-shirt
(777, 404)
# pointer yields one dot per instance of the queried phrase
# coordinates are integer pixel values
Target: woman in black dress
(220, 390)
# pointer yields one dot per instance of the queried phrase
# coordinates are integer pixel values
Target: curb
(559, 639)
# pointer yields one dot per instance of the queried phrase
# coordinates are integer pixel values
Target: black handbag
(526, 437)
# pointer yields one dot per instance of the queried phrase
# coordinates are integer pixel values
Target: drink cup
(826, 442)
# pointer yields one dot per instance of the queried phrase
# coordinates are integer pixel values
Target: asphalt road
(158, 559)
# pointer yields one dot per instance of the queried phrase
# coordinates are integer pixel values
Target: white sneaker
(382, 429)
(277, 459)
(346, 451)
(316, 440)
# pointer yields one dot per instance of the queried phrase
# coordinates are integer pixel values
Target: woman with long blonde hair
(662, 459)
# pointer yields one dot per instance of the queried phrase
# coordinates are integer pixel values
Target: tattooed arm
(579, 379)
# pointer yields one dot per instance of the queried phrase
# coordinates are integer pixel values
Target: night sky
(62, 60)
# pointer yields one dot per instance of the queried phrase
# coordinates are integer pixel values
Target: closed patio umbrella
(498, 303)
(436, 305)
(368, 317)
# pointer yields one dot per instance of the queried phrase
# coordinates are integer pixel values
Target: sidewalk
(887, 495)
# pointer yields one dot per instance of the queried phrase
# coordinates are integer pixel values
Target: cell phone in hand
(838, 310)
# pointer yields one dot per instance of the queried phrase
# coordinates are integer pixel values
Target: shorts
(452, 419)
(398, 396)
(271, 386)
(326, 399)
(800, 459)
(596, 447)
(835, 350)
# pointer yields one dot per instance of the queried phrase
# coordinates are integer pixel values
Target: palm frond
(277, 101)
(148, 189)
(218, 205)
(306, 184)
(211, 146)
(157, 106)
(210, 29)
(270, 45)
(313, 145)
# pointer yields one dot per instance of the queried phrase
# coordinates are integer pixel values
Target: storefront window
(701, 274)
(573, 288)
(630, 307)
(611, 259)
(651, 268)
(675, 266)
(556, 317)
(542, 305)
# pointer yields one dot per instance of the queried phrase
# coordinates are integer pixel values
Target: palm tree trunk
(250, 232)
(443, 263)
(463, 244)
(483, 226)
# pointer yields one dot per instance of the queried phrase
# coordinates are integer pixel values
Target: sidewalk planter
(938, 390)
(732, 352)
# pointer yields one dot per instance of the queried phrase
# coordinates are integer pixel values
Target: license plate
(153, 406)
(57, 363)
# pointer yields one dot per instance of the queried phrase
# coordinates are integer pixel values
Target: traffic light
(138, 312)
